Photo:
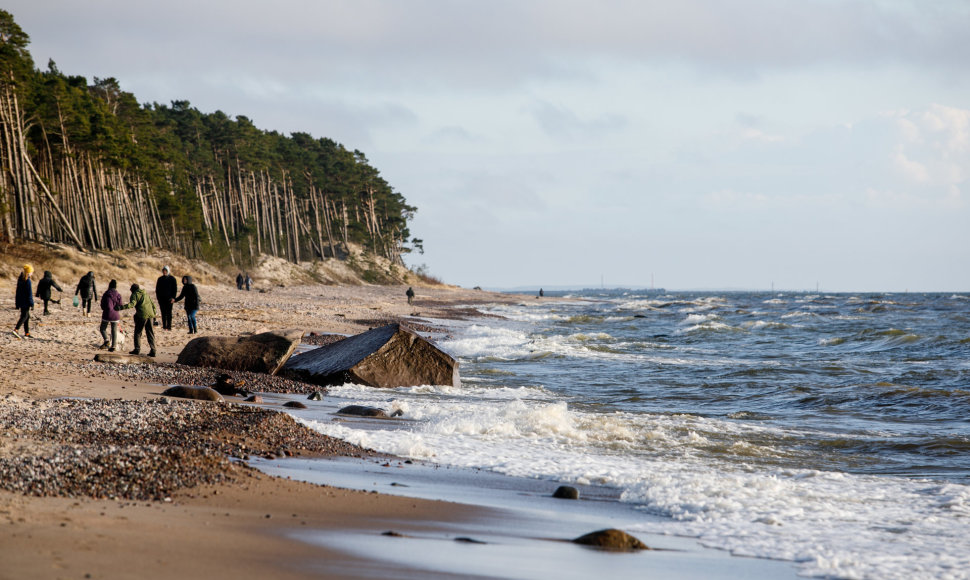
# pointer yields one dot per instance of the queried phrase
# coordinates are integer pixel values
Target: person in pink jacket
(110, 305)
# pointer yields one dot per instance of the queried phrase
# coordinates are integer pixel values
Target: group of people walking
(86, 293)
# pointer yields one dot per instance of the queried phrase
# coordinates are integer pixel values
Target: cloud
(442, 45)
(912, 170)
(933, 152)
(562, 123)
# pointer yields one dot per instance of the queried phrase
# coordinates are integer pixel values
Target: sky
(696, 144)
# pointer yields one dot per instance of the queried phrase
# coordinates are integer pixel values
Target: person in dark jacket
(165, 289)
(110, 305)
(44, 290)
(24, 300)
(191, 295)
(88, 292)
(144, 316)
(410, 295)
(239, 281)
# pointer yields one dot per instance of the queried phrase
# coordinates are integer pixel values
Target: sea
(831, 431)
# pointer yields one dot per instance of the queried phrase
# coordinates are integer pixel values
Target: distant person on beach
(166, 287)
(110, 305)
(541, 293)
(87, 291)
(24, 300)
(410, 295)
(191, 295)
(44, 290)
(249, 282)
(239, 281)
(144, 316)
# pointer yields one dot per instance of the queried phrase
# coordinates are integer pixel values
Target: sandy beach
(229, 527)
(101, 478)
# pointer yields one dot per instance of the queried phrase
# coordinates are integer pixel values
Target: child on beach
(88, 292)
(24, 300)
(191, 295)
(44, 290)
(110, 315)
(144, 317)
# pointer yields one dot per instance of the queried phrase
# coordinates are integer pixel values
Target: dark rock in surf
(612, 539)
(294, 405)
(254, 399)
(316, 396)
(389, 356)
(259, 353)
(365, 411)
(566, 492)
(197, 393)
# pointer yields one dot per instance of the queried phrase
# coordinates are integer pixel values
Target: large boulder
(259, 353)
(389, 356)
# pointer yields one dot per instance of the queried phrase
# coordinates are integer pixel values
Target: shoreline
(250, 524)
(233, 526)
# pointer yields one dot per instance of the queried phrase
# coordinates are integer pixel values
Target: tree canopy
(87, 164)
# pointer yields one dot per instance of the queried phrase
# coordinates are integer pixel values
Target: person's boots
(104, 345)
(136, 351)
(151, 353)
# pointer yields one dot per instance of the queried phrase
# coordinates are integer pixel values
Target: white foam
(831, 524)
(705, 476)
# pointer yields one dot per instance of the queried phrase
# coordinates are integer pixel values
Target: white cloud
(912, 170)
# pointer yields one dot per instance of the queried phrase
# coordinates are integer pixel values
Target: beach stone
(365, 411)
(294, 405)
(611, 539)
(261, 353)
(566, 492)
(197, 393)
(316, 396)
(226, 385)
(118, 358)
(254, 399)
(389, 356)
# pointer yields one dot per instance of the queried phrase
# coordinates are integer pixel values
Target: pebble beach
(82, 441)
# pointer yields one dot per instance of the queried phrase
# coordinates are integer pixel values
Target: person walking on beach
(191, 295)
(110, 315)
(239, 281)
(24, 300)
(165, 289)
(44, 290)
(410, 295)
(88, 292)
(249, 282)
(144, 316)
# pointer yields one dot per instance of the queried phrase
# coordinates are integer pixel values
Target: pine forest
(85, 164)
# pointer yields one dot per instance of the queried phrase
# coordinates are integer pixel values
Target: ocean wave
(764, 324)
(780, 514)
